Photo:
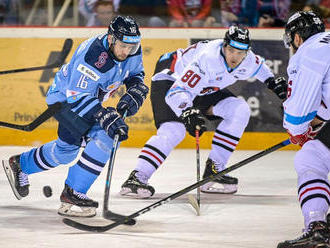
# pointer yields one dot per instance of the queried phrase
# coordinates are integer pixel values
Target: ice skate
(135, 187)
(18, 180)
(75, 204)
(316, 236)
(223, 185)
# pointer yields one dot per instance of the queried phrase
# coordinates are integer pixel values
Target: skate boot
(223, 185)
(316, 236)
(136, 186)
(76, 204)
(18, 180)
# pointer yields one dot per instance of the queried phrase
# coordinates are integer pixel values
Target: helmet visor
(287, 40)
(131, 41)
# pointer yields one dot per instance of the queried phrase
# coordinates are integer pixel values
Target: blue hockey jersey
(93, 75)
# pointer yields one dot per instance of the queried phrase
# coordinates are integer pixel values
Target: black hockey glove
(132, 100)
(279, 86)
(192, 118)
(112, 123)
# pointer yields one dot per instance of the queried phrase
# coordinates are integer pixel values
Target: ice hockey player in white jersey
(97, 69)
(305, 113)
(188, 86)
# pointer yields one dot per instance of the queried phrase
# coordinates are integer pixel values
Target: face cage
(134, 48)
(287, 40)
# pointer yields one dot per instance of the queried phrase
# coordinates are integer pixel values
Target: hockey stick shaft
(177, 194)
(107, 214)
(198, 167)
(59, 61)
(49, 112)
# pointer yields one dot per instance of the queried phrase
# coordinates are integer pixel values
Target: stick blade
(84, 227)
(193, 202)
(109, 215)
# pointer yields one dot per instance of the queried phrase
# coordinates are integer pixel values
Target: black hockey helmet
(238, 38)
(126, 30)
(305, 23)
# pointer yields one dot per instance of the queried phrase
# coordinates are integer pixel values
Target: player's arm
(187, 86)
(300, 109)
(182, 93)
(263, 73)
(136, 90)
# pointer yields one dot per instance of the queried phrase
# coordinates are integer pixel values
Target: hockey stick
(59, 61)
(196, 202)
(49, 112)
(169, 198)
(107, 214)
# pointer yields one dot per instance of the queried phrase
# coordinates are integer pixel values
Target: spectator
(230, 10)
(189, 13)
(273, 13)
(9, 12)
(98, 12)
(147, 13)
(322, 7)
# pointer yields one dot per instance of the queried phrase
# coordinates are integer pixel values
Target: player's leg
(82, 175)
(170, 132)
(235, 114)
(36, 160)
(151, 157)
(312, 167)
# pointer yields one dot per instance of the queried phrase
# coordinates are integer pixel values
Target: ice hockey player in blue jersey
(189, 85)
(306, 118)
(98, 67)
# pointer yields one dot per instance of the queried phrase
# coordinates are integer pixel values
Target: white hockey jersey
(309, 84)
(201, 69)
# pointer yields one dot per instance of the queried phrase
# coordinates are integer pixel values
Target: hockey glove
(310, 134)
(112, 123)
(279, 86)
(132, 100)
(193, 119)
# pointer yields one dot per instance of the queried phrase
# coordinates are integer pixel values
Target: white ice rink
(263, 212)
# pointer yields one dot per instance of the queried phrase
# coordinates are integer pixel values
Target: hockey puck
(47, 191)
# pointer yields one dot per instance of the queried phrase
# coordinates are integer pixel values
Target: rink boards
(23, 94)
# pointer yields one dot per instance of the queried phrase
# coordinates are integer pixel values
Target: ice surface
(263, 212)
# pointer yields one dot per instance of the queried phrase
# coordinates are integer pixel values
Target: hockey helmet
(126, 30)
(238, 38)
(305, 23)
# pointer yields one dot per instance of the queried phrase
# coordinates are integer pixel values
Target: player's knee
(307, 162)
(103, 141)
(64, 152)
(172, 132)
(241, 111)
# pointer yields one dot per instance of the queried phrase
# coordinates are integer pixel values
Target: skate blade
(141, 193)
(10, 177)
(66, 210)
(192, 200)
(217, 188)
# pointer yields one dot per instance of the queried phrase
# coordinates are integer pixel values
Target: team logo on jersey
(114, 85)
(209, 90)
(183, 105)
(293, 72)
(102, 59)
(88, 72)
(200, 70)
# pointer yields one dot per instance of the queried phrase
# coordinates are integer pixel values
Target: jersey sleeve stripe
(297, 120)
(255, 73)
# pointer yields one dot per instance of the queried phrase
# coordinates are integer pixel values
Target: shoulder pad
(97, 56)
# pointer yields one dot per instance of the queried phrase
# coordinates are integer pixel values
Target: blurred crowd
(163, 13)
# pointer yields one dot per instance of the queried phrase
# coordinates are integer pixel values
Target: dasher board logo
(88, 72)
